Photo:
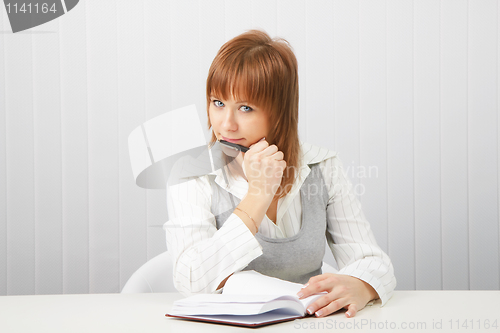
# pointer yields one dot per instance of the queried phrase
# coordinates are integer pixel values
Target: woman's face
(238, 121)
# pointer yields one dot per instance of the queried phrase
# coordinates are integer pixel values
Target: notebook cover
(251, 320)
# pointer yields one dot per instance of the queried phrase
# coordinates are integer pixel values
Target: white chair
(155, 276)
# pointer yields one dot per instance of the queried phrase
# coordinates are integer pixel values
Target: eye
(218, 103)
(245, 108)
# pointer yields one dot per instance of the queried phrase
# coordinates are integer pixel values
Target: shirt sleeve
(203, 256)
(350, 237)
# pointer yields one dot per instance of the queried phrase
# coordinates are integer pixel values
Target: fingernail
(348, 315)
(300, 294)
(262, 139)
(319, 313)
(310, 311)
(305, 286)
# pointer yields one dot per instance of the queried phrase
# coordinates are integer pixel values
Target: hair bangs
(247, 80)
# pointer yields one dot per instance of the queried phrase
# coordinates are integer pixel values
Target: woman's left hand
(343, 291)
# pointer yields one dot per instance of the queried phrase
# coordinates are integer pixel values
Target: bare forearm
(253, 206)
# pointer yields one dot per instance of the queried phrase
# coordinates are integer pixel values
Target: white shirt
(204, 256)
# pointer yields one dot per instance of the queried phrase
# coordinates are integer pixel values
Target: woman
(271, 208)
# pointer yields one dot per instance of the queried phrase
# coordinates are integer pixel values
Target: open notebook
(248, 299)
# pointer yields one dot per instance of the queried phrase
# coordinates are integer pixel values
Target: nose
(229, 122)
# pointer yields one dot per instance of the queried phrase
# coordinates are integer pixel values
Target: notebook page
(254, 283)
(214, 304)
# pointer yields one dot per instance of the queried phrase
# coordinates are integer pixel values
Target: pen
(234, 146)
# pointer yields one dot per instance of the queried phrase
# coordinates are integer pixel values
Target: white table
(422, 311)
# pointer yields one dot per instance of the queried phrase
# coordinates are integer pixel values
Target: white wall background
(407, 88)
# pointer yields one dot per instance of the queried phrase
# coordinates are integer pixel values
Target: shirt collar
(313, 154)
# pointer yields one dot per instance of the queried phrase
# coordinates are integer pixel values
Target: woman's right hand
(264, 166)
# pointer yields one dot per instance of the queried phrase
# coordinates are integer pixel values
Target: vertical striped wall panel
(212, 36)
(157, 100)
(19, 166)
(131, 110)
(47, 168)
(291, 21)
(346, 81)
(498, 126)
(483, 133)
(75, 153)
(372, 170)
(426, 122)
(453, 159)
(400, 140)
(103, 147)
(320, 68)
(406, 91)
(3, 165)
(264, 14)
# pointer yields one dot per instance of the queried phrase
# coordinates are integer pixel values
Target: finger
(278, 156)
(321, 303)
(258, 147)
(322, 283)
(269, 151)
(351, 311)
(263, 139)
(319, 277)
(312, 286)
(331, 307)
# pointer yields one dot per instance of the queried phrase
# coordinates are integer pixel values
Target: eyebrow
(237, 102)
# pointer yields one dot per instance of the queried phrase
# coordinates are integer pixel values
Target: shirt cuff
(239, 240)
(370, 279)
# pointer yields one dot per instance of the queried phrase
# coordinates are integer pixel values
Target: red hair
(263, 71)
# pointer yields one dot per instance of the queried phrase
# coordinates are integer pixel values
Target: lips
(231, 140)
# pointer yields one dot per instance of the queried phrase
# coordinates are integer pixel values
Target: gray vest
(296, 258)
